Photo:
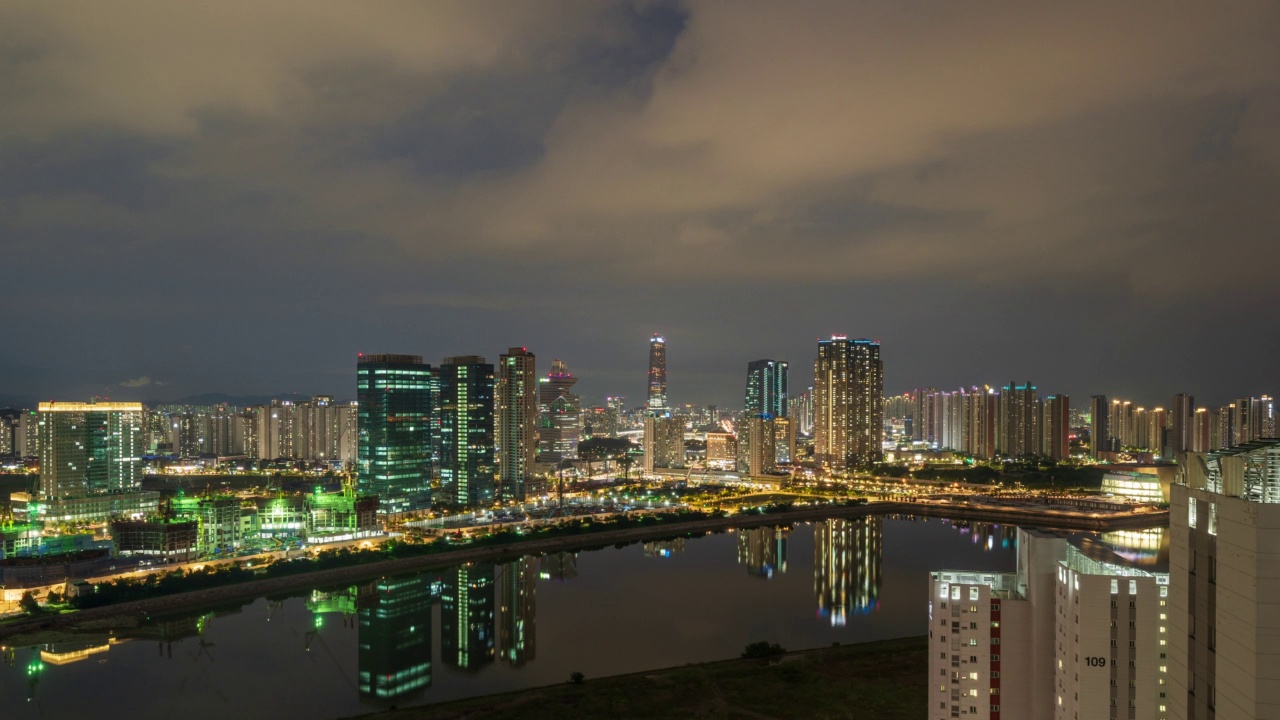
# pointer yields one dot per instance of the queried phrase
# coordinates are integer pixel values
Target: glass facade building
(90, 448)
(466, 427)
(394, 438)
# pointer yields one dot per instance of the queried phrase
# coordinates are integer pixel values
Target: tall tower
(466, 427)
(516, 421)
(657, 372)
(1020, 432)
(89, 448)
(767, 388)
(393, 451)
(848, 393)
(1055, 434)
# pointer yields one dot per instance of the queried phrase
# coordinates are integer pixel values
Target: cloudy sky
(240, 196)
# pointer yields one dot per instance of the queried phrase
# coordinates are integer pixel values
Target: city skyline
(439, 180)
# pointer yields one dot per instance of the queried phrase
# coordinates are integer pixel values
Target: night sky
(238, 197)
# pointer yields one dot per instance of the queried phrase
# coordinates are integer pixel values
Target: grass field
(878, 681)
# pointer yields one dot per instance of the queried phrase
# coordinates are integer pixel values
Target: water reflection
(395, 637)
(846, 567)
(476, 629)
(763, 550)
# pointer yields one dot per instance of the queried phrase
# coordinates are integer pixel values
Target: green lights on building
(466, 426)
(394, 448)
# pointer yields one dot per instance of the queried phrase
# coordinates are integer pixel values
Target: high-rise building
(27, 437)
(560, 422)
(802, 412)
(517, 609)
(657, 373)
(1200, 431)
(1055, 433)
(1019, 433)
(848, 403)
(1099, 427)
(516, 422)
(394, 656)
(1222, 430)
(1158, 431)
(467, 616)
(757, 446)
(1181, 415)
(393, 449)
(90, 448)
(767, 388)
(663, 441)
(466, 426)
(1224, 521)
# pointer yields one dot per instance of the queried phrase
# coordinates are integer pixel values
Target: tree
(29, 604)
(577, 678)
(763, 650)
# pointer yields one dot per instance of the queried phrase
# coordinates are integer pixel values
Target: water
(483, 629)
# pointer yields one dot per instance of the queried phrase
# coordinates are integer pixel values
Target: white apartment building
(991, 636)
(1224, 587)
(1111, 641)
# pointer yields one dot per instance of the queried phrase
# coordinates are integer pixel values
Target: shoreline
(212, 597)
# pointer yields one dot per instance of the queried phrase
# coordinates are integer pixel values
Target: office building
(1224, 519)
(561, 415)
(90, 448)
(466, 425)
(516, 422)
(766, 393)
(848, 403)
(722, 450)
(393, 450)
(657, 373)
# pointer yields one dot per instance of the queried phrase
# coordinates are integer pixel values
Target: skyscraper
(1181, 428)
(90, 448)
(466, 427)
(1055, 439)
(1020, 420)
(663, 441)
(393, 451)
(560, 421)
(767, 388)
(848, 395)
(1099, 428)
(657, 372)
(516, 422)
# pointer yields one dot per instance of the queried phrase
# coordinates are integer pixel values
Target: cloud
(137, 382)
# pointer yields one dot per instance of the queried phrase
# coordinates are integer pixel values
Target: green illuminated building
(89, 448)
(394, 449)
(466, 427)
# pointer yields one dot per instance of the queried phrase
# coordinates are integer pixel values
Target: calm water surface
(488, 628)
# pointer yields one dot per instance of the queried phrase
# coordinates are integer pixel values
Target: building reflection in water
(988, 536)
(664, 548)
(1148, 548)
(763, 550)
(467, 616)
(558, 566)
(846, 567)
(517, 637)
(394, 658)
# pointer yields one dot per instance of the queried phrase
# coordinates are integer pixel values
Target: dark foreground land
(880, 680)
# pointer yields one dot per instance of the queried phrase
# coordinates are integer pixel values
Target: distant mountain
(223, 398)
